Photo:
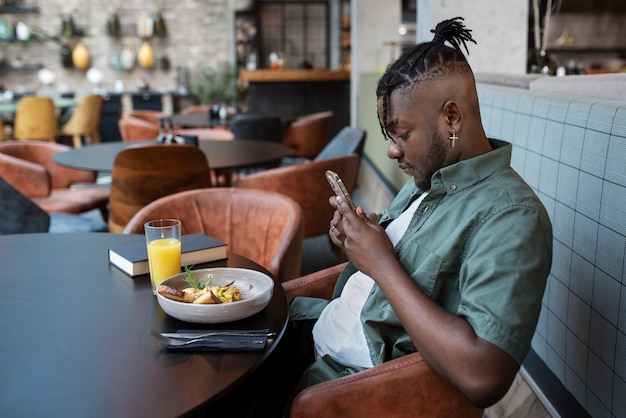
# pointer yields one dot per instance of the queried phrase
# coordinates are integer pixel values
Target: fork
(180, 343)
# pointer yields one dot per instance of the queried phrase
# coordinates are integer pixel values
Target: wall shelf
(18, 9)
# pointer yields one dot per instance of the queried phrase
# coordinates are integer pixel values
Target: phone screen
(338, 187)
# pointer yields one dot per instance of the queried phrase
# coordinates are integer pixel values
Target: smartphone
(338, 187)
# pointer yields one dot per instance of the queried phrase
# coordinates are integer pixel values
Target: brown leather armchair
(143, 173)
(30, 168)
(263, 226)
(309, 134)
(404, 387)
(136, 129)
(306, 184)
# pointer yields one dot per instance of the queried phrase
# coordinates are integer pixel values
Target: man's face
(417, 143)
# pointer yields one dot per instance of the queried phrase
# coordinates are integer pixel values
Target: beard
(436, 159)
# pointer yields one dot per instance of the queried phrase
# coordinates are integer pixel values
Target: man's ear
(452, 114)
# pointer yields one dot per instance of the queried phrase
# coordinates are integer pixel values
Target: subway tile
(589, 195)
(578, 318)
(610, 253)
(613, 207)
(606, 296)
(572, 147)
(600, 384)
(576, 355)
(581, 280)
(595, 150)
(553, 140)
(563, 223)
(602, 339)
(585, 236)
(567, 185)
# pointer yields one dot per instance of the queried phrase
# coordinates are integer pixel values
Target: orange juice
(164, 259)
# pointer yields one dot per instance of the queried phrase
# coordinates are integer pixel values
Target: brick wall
(200, 32)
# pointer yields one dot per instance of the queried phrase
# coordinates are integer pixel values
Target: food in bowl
(256, 290)
(206, 295)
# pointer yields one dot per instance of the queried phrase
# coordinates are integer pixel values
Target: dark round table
(222, 155)
(76, 337)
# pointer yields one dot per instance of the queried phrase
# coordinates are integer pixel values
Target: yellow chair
(3, 132)
(36, 118)
(85, 120)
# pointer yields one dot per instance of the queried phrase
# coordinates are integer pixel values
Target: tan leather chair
(404, 387)
(85, 120)
(30, 168)
(265, 227)
(137, 129)
(309, 134)
(143, 173)
(306, 184)
(35, 118)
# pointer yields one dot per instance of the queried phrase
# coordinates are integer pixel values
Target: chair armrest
(319, 284)
(404, 387)
(31, 179)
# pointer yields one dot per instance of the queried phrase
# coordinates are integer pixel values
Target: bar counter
(278, 76)
(294, 93)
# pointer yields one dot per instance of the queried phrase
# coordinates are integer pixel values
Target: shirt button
(453, 187)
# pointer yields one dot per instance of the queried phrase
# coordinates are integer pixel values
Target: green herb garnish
(191, 279)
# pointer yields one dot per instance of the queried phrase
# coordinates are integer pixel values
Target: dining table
(77, 337)
(223, 156)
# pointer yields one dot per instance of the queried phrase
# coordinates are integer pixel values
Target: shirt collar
(466, 173)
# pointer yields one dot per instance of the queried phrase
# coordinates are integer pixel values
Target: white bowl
(256, 291)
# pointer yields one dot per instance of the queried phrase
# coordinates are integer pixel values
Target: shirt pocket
(424, 267)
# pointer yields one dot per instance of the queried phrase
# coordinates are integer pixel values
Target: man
(456, 267)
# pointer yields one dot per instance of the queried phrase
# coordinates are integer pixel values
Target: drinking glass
(163, 242)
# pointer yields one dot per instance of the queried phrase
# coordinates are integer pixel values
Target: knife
(187, 335)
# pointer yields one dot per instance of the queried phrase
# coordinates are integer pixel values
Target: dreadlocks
(425, 62)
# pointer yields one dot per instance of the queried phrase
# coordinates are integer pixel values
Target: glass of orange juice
(163, 242)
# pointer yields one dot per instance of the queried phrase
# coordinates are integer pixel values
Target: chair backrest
(196, 109)
(36, 118)
(259, 127)
(4, 135)
(348, 141)
(210, 134)
(143, 173)
(85, 119)
(136, 129)
(306, 184)
(263, 226)
(42, 154)
(309, 134)
(19, 213)
(146, 114)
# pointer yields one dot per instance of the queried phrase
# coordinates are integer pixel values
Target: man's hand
(359, 235)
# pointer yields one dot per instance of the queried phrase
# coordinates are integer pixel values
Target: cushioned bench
(572, 150)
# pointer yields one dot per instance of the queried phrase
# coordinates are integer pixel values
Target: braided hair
(425, 62)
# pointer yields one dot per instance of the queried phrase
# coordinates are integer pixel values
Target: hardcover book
(195, 249)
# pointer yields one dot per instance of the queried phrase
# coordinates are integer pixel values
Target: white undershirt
(339, 332)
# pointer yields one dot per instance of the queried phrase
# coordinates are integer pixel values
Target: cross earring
(453, 137)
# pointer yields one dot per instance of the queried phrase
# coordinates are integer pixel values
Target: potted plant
(216, 85)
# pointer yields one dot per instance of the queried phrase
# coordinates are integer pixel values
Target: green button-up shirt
(480, 245)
